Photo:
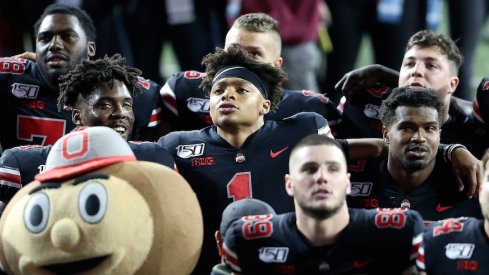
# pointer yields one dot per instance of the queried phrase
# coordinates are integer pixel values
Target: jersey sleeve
(18, 166)
(323, 126)
(10, 177)
(360, 115)
(322, 105)
(150, 151)
(176, 93)
(147, 105)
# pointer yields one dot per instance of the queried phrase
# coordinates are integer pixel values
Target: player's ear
(265, 108)
(385, 134)
(348, 186)
(288, 185)
(76, 117)
(91, 49)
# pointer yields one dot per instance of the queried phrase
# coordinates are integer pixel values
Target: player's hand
(27, 55)
(466, 170)
(365, 77)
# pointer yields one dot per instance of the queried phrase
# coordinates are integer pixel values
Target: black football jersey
(19, 165)
(28, 106)
(372, 186)
(186, 106)
(454, 246)
(476, 135)
(29, 112)
(360, 119)
(375, 241)
(220, 173)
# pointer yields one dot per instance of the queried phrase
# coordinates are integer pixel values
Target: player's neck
(405, 180)
(323, 232)
(445, 113)
(237, 135)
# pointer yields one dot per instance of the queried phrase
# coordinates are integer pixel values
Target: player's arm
(364, 148)
(465, 167)
(26, 55)
(365, 77)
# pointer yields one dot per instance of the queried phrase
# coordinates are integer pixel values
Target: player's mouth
(121, 129)
(321, 193)
(415, 84)
(226, 108)
(56, 60)
(417, 151)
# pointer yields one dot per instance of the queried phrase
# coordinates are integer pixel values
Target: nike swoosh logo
(275, 154)
(361, 264)
(440, 208)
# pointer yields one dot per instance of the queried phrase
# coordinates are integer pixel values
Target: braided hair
(86, 77)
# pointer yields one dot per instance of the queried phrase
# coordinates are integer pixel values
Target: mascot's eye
(36, 213)
(93, 202)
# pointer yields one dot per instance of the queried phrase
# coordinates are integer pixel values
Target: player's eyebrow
(90, 177)
(46, 185)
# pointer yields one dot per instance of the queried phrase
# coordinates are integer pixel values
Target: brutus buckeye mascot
(96, 210)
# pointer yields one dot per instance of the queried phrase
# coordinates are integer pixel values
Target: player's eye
(92, 202)
(44, 38)
(218, 91)
(310, 169)
(36, 212)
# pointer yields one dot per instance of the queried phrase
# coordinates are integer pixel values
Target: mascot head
(96, 210)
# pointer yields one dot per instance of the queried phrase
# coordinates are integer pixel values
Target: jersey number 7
(49, 129)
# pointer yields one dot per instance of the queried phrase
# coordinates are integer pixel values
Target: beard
(413, 166)
(323, 212)
(52, 75)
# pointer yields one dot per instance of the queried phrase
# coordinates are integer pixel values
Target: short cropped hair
(86, 77)
(316, 140)
(408, 97)
(427, 38)
(236, 56)
(85, 19)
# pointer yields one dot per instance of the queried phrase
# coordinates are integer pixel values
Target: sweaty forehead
(60, 22)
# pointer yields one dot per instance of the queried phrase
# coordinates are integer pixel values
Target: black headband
(243, 73)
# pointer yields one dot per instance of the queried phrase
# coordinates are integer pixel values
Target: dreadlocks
(86, 77)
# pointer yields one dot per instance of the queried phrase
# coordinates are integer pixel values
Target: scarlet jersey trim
(10, 177)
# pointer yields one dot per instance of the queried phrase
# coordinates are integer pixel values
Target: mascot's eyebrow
(90, 177)
(45, 185)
